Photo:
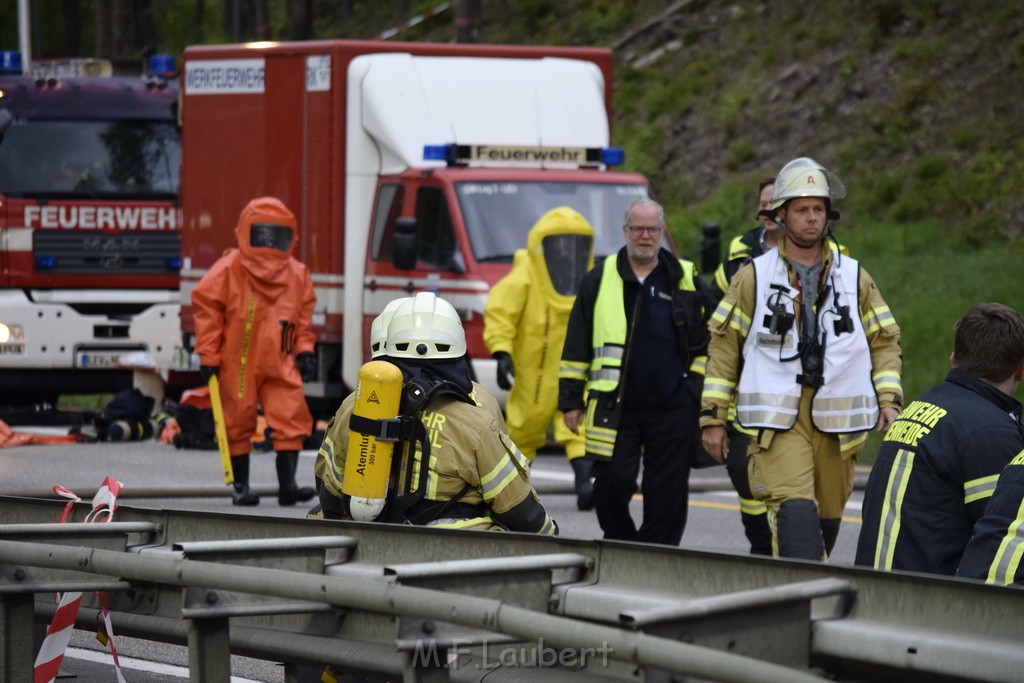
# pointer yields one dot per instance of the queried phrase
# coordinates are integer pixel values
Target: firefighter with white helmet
(742, 250)
(808, 349)
(476, 478)
(525, 321)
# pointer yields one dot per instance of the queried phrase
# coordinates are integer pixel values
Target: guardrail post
(427, 669)
(16, 646)
(209, 650)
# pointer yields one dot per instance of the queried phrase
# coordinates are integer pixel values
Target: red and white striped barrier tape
(405, 26)
(58, 633)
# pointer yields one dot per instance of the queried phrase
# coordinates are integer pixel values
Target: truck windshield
(499, 215)
(97, 159)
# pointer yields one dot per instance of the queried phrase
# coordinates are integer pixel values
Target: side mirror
(457, 264)
(403, 255)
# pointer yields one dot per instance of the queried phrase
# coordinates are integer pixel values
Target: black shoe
(245, 496)
(295, 495)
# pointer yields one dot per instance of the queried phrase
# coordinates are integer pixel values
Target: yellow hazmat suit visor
(561, 250)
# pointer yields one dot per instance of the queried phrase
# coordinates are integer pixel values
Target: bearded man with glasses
(637, 345)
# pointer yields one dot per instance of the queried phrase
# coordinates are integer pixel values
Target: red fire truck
(410, 167)
(89, 230)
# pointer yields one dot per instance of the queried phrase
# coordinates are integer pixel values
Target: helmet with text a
(805, 177)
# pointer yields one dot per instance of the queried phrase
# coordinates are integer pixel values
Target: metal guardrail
(418, 604)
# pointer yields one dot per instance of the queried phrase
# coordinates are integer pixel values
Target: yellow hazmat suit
(525, 317)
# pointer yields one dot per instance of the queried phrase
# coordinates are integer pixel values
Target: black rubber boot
(288, 492)
(757, 531)
(584, 470)
(243, 494)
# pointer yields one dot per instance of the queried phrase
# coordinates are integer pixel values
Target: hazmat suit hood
(266, 233)
(560, 247)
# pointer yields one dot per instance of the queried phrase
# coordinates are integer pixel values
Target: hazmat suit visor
(271, 236)
(567, 258)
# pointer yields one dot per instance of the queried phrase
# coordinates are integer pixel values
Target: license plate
(97, 359)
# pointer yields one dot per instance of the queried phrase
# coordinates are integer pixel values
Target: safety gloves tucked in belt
(506, 370)
(305, 362)
(208, 371)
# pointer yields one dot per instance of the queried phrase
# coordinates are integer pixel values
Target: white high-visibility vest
(768, 395)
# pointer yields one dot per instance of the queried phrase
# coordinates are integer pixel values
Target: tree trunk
(104, 32)
(300, 19)
(72, 28)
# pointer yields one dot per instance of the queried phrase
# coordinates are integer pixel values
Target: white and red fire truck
(410, 167)
(89, 230)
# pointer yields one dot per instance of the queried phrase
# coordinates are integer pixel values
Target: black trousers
(664, 440)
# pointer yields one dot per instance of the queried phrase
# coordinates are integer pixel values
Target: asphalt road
(160, 476)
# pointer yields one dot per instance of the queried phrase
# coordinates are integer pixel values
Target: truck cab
(466, 225)
(89, 230)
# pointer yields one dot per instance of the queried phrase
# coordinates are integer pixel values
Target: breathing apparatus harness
(417, 395)
(810, 351)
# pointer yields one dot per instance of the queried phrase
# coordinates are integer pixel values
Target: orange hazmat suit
(252, 317)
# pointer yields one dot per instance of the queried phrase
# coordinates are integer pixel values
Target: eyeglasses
(644, 229)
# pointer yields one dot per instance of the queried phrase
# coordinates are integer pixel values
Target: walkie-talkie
(781, 320)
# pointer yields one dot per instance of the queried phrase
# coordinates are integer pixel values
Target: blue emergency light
(440, 153)
(613, 156)
(161, 66)
(10, 62)
(173, 262)
(46, 262)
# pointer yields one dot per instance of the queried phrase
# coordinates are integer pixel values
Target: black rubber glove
(306, 364)
(506, 371)
(208, 371)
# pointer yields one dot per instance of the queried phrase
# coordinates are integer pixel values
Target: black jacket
(935, 473)
(992, 555)
(663, 378)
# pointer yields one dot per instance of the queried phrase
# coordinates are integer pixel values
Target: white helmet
(379, 328)
(426, 326)
(805, 177)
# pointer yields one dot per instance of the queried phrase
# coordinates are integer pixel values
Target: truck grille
(90, 252)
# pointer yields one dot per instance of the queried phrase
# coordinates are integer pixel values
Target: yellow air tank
(368, 460)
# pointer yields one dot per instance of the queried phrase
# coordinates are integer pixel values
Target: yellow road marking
(734, 507)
